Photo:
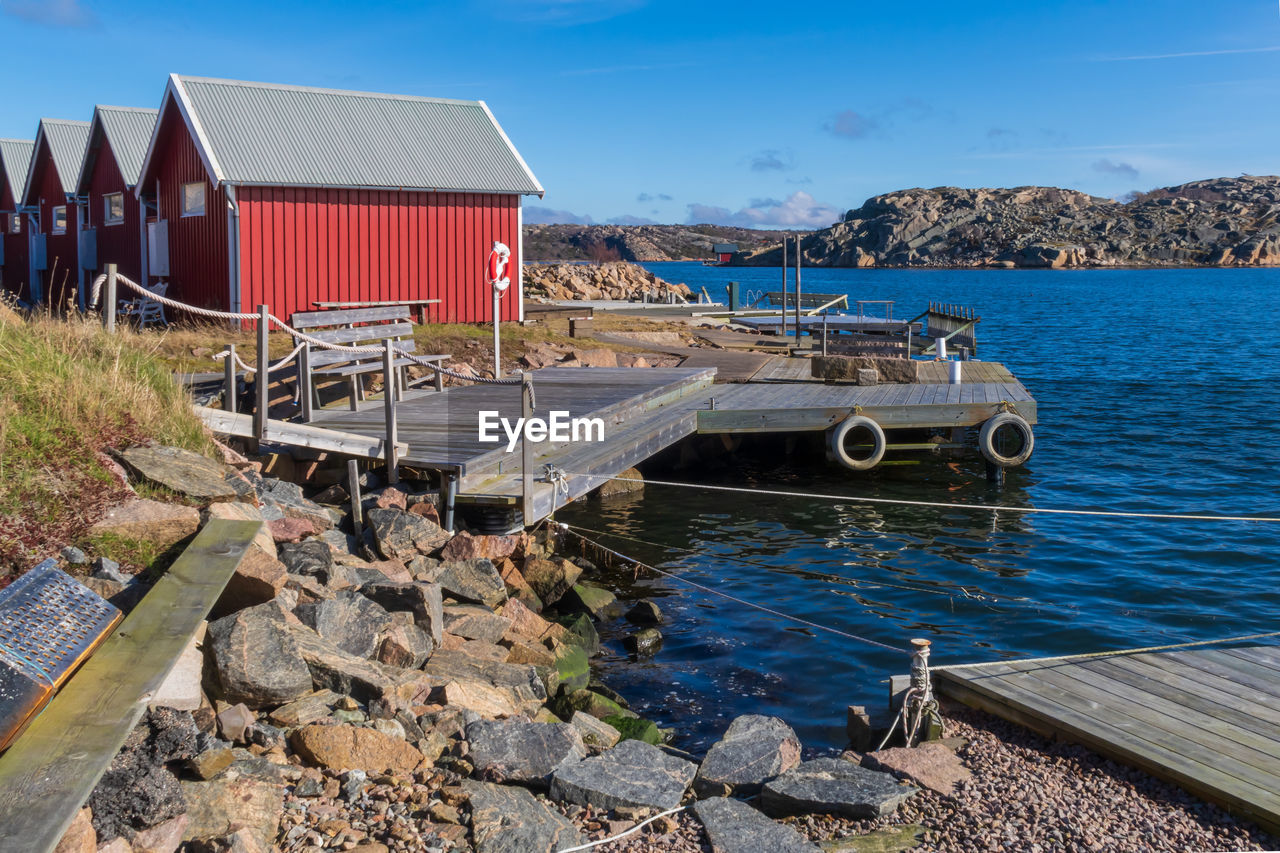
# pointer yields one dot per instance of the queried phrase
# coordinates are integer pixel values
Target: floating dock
(645, 410)
(1205, 720)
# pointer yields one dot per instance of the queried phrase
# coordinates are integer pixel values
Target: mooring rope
(623, 834)
(711, 590)
(248, 368)
(1168, 516)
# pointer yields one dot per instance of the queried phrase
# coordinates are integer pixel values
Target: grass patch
(69, 391)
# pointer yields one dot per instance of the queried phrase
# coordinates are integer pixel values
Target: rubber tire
(842, 430)
(986, 439)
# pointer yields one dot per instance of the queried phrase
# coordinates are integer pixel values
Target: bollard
(922, 721)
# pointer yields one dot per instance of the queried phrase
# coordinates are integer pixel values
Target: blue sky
(758, 114)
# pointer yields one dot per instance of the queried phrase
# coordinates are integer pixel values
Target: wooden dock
(1206, 720)
(645, 410)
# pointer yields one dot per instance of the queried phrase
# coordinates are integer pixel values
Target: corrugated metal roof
(15, 159)
(128, 129)
(260, 133)
(67, 141)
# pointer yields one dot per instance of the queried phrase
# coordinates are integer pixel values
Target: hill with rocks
(1223, 221)
(637, 242)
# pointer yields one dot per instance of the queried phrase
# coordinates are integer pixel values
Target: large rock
(734, 827)
(631, 775)
(550, 579)
(345, 747)
(79, 837)
(630, 481)
(257, 579)
(929, 765)
(348, 620)
(754, 750)
(313, 557)
(517, 587)
(331, 668)
(401, 535)
(511, 820)
(256, 659)
(189, 474)
(845, 368)
(519, 751)
(483, 699)
(423, 600)
(600, 604)
(163, 837)
(151, 521)
(595, 733)
(472, 622)
(282, 499)
(834, 786)
(241, 511)
(305, 709)
(528, 626)
(469, 580)
(232, 803)
(404, 645)
(519, 681)
(464, 546)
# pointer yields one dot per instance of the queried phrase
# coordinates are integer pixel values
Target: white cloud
(798, 210)
(52, 13)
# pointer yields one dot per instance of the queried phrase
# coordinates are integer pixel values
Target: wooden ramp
(1206, 720)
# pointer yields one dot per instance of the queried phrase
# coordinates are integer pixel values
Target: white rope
(166, 301)
(635, 828)
(1170, 647)
(943, 505)
(248, 368)
(725, 595)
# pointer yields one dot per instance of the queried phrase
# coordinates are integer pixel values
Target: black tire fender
(841, 431)
(987, 437)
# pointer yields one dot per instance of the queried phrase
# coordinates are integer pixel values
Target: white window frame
(204, 198)
(14, 225)
(53, 220)
(107, 218)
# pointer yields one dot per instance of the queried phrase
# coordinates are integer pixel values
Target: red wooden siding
(299, 245)
(117, 244)
(61, 275)
(15, 271)
(197, 244)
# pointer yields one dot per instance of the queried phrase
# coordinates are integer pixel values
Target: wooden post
(439, 379)
(229, 380)
(824, 335)
(389, 408)
(799, 258)
(526, 449)
(784, 287)
(353, 489)
(262, 379)
(304, 382)
(109, 301)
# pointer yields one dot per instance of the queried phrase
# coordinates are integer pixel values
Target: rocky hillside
(600, 281)
(1224, 221)
(637, 242)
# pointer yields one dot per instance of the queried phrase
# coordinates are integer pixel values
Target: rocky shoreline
(617, 280)
(390, 686)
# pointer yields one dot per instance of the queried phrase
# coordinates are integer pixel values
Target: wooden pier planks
(53, 766)
(1207, 720)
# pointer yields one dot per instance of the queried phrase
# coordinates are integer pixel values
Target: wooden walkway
(1206, 720)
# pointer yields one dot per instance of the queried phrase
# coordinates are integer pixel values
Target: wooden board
(300, 435)
(54, 765)
(1207, 720)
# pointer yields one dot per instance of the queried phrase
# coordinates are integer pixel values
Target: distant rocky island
(1221, 222)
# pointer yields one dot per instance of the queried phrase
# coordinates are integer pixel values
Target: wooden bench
(354, 327)
(807, 300)
(420, 304)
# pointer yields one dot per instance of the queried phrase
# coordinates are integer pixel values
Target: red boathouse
(286, 195)
(111, 219)
(49, 199)
(15, 159)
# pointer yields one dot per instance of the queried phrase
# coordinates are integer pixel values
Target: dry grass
(67, 392)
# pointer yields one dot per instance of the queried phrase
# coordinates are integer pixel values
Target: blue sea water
(1158, 390)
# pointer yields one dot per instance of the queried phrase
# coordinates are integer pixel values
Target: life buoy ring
(987, 439)
(841, 432)
(497, 266)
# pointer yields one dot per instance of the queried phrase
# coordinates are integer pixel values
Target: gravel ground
(1028, 794)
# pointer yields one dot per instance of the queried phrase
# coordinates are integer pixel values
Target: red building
(284, 195)
(111, 217)
(52, 213)
(724, 252)
(15, 159)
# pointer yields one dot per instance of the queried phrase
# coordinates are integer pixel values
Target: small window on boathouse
(193, 199)
(113, 208)
(60, 219)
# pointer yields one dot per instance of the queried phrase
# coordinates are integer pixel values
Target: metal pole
(450, 498)
(784, 287)
(304, 382)
(497, 341)
(353, 489)
(229, 380)
(526, 449)
(824, 334)
(799, 258)
(261, 380)
(109, 301)
(389, 409)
